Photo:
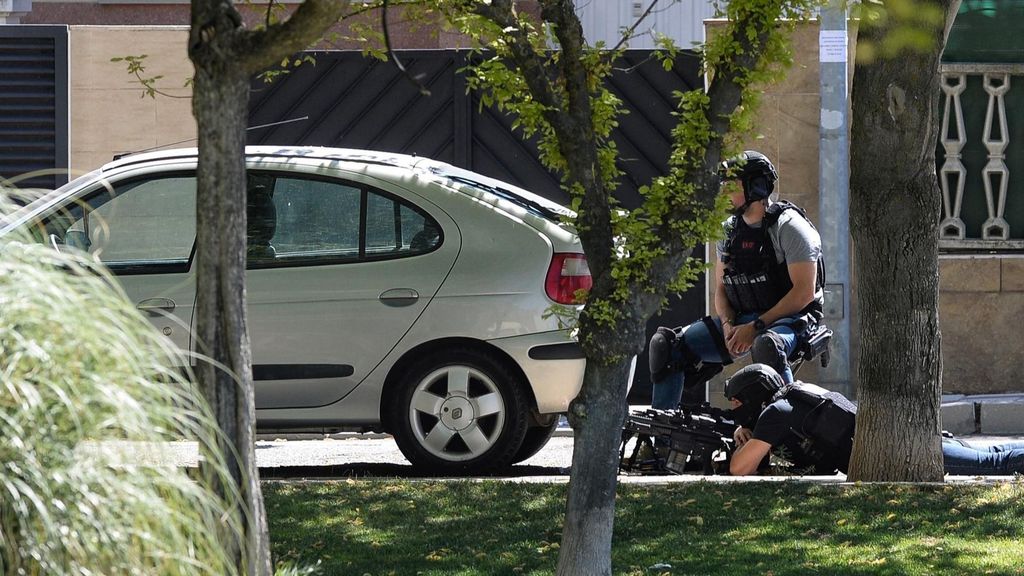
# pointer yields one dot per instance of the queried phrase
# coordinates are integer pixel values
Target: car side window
(293, 219)
(136, 224)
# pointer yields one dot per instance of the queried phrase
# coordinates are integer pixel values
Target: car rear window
(533, 203)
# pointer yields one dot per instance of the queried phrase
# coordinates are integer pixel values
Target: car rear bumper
(553, 363)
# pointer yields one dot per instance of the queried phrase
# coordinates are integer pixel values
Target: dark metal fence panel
(354, 101)
(34, 104)
(359, 102)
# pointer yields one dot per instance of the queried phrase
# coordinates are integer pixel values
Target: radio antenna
(270, 125)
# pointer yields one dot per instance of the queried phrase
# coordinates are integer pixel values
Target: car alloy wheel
(461, 413)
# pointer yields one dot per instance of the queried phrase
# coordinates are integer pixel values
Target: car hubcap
(457, 413)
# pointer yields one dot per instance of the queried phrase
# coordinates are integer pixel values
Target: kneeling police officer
(768, 288)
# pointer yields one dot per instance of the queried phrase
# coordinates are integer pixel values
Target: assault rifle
(694, 438)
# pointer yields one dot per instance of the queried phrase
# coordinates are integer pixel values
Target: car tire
(460, 412)
(536, 438)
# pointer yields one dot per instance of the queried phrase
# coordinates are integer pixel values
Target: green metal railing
(981, 146)
(981, 149)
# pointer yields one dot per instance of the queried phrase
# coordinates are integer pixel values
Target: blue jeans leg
(775, 346)
(667, 393)
(999, 460)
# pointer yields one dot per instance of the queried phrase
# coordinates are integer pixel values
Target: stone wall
(981, 307)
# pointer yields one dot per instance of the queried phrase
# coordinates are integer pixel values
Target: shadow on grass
(383, 527)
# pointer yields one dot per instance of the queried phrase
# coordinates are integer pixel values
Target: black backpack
(826, 431)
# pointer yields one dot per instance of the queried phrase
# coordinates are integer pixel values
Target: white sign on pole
(832, 46)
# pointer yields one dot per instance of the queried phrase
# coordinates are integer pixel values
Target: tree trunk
(590, 507)
(220, 105)
(612, 327)
(225, 55)
(894, 214)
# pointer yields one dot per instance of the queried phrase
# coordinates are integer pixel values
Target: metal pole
(834, 191)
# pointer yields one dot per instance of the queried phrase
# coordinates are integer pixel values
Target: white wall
(681, 20)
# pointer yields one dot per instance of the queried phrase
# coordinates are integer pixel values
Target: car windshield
(536, 204)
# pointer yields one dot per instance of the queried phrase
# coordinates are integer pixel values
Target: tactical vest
(826, 431)
(754, 280)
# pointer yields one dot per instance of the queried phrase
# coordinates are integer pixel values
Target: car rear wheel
(461, 412)
(536, 438)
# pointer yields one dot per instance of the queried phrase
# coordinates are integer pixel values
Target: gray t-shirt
(793, 238)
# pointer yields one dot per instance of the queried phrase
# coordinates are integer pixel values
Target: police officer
(768, 287)
(813, 428)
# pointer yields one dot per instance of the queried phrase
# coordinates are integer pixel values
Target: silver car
(385, 291)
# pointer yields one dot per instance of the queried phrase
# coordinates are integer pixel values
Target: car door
(339, 270)
(144, 230)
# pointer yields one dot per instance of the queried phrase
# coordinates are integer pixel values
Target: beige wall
(981, 312)
(109, 114)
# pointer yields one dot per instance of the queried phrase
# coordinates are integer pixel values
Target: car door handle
(156, 306)
(398, 297)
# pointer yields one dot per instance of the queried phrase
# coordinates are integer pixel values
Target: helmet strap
(738, 212)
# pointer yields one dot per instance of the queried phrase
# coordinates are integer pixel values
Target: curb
(983, 413)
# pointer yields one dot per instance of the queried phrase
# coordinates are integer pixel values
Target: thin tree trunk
(225, 55)
(894, 215)
(220, 105)
(596, 417)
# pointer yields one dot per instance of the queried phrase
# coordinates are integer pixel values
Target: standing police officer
(768, 288)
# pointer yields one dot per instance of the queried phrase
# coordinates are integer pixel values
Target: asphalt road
(358, 456)
(352, 456)
(377, 455)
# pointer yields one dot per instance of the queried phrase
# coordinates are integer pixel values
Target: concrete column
(834, 189)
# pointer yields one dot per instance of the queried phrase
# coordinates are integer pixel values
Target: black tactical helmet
(754, 171)
(754, 386)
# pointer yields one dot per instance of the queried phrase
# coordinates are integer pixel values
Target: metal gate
(33, 105)
(353, 101)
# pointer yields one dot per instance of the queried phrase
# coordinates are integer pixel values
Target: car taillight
(567, 274)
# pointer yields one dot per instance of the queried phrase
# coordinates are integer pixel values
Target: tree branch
(393, 56)
(627, 35)
(524, 57)
(596, 232)
(304, 27)
(724, 95)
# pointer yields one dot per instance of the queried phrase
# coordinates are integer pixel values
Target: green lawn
(387, 527)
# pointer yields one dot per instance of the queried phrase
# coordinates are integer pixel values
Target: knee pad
(668, 353)
(769, 349)
(660, 352)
